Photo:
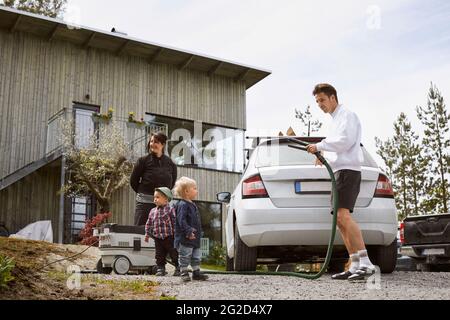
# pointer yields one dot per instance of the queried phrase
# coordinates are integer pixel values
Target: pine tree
(436, 144)
(386, 151)
(51, 8)
(405, 165)
(305, 118)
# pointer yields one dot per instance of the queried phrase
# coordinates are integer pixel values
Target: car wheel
(229, 263)
(244, 256)
(385, 257)
(121, 265)
(101, 269)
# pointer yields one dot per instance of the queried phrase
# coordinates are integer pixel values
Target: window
(280, 154)
(197, 144)
(211, 216)
(81, 209)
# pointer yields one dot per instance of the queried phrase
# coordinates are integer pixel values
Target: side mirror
(224, 197)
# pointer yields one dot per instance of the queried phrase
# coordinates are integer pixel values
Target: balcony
(86, 124)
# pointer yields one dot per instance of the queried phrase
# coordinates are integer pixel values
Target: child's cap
(165, 191)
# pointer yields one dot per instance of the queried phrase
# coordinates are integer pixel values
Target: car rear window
(280, 154)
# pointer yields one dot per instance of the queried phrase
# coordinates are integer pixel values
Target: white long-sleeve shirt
(344, 140)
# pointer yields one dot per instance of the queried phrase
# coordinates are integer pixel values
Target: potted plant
(132, 122)
(103, 117)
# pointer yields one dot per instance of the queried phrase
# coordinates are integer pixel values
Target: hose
(333, 228)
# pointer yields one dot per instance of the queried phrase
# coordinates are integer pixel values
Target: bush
(217, 255)
(6, 265)
(86, 234)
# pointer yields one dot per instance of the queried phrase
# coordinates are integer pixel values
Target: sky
(381, 56)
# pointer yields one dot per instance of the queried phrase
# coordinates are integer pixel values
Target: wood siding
(34, 198)
(38, 78)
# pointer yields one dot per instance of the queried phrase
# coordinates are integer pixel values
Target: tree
(436, 144)
(386, 151)
(406, 166)
(305, 118)
(100, 168)
(50, 8)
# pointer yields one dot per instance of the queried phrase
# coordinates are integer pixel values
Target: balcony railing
(134, 134)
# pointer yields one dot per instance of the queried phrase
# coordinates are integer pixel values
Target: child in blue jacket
(188, 230)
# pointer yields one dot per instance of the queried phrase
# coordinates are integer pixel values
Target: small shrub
(6, 265)
(217, 255)
(86, 234)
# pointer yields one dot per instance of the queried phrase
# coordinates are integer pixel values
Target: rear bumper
(441, 250)
(262, 224)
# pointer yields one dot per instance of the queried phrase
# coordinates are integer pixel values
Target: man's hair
(326, 88)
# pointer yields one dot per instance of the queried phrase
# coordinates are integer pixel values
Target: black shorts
(348, 184)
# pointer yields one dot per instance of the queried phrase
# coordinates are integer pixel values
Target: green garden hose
(333, 228)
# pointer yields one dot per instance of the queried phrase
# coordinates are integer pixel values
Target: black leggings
(141, 213)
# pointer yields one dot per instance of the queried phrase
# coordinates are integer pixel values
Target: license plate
(298, 187)
(433, 251)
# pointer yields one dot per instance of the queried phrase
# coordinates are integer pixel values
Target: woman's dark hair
(158, 137)
(326, 88)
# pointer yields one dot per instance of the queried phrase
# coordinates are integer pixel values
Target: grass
(167, 298)
(212, 267)
(135, 286)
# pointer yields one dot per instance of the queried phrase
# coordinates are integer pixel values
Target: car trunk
(309, 186)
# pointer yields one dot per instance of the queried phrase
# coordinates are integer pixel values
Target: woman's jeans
(188, 255)
(141, 213)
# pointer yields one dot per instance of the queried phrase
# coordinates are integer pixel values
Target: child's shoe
(161, 273)
(185, 276)
(177, 272)
(197, 275)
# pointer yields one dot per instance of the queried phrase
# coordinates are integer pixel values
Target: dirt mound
(40, 272)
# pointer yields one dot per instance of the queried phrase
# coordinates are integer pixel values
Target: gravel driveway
(398, 285)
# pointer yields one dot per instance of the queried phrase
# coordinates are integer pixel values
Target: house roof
(55, 29)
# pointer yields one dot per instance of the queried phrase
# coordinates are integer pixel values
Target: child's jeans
(188, 255)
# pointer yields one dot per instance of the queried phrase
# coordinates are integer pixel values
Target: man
(344, 140)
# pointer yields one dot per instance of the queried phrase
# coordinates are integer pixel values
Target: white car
(281, 211)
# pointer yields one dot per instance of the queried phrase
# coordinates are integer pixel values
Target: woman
(151, 171)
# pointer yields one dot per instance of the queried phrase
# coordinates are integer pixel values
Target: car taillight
(253, 187)
(384, 188)
(402, 232)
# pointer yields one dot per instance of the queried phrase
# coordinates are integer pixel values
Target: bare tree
(100, 168)
(306, 118)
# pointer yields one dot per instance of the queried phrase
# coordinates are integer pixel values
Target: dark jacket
(151, 172)
(187, 221)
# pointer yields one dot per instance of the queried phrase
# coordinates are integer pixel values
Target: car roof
(286, 139)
